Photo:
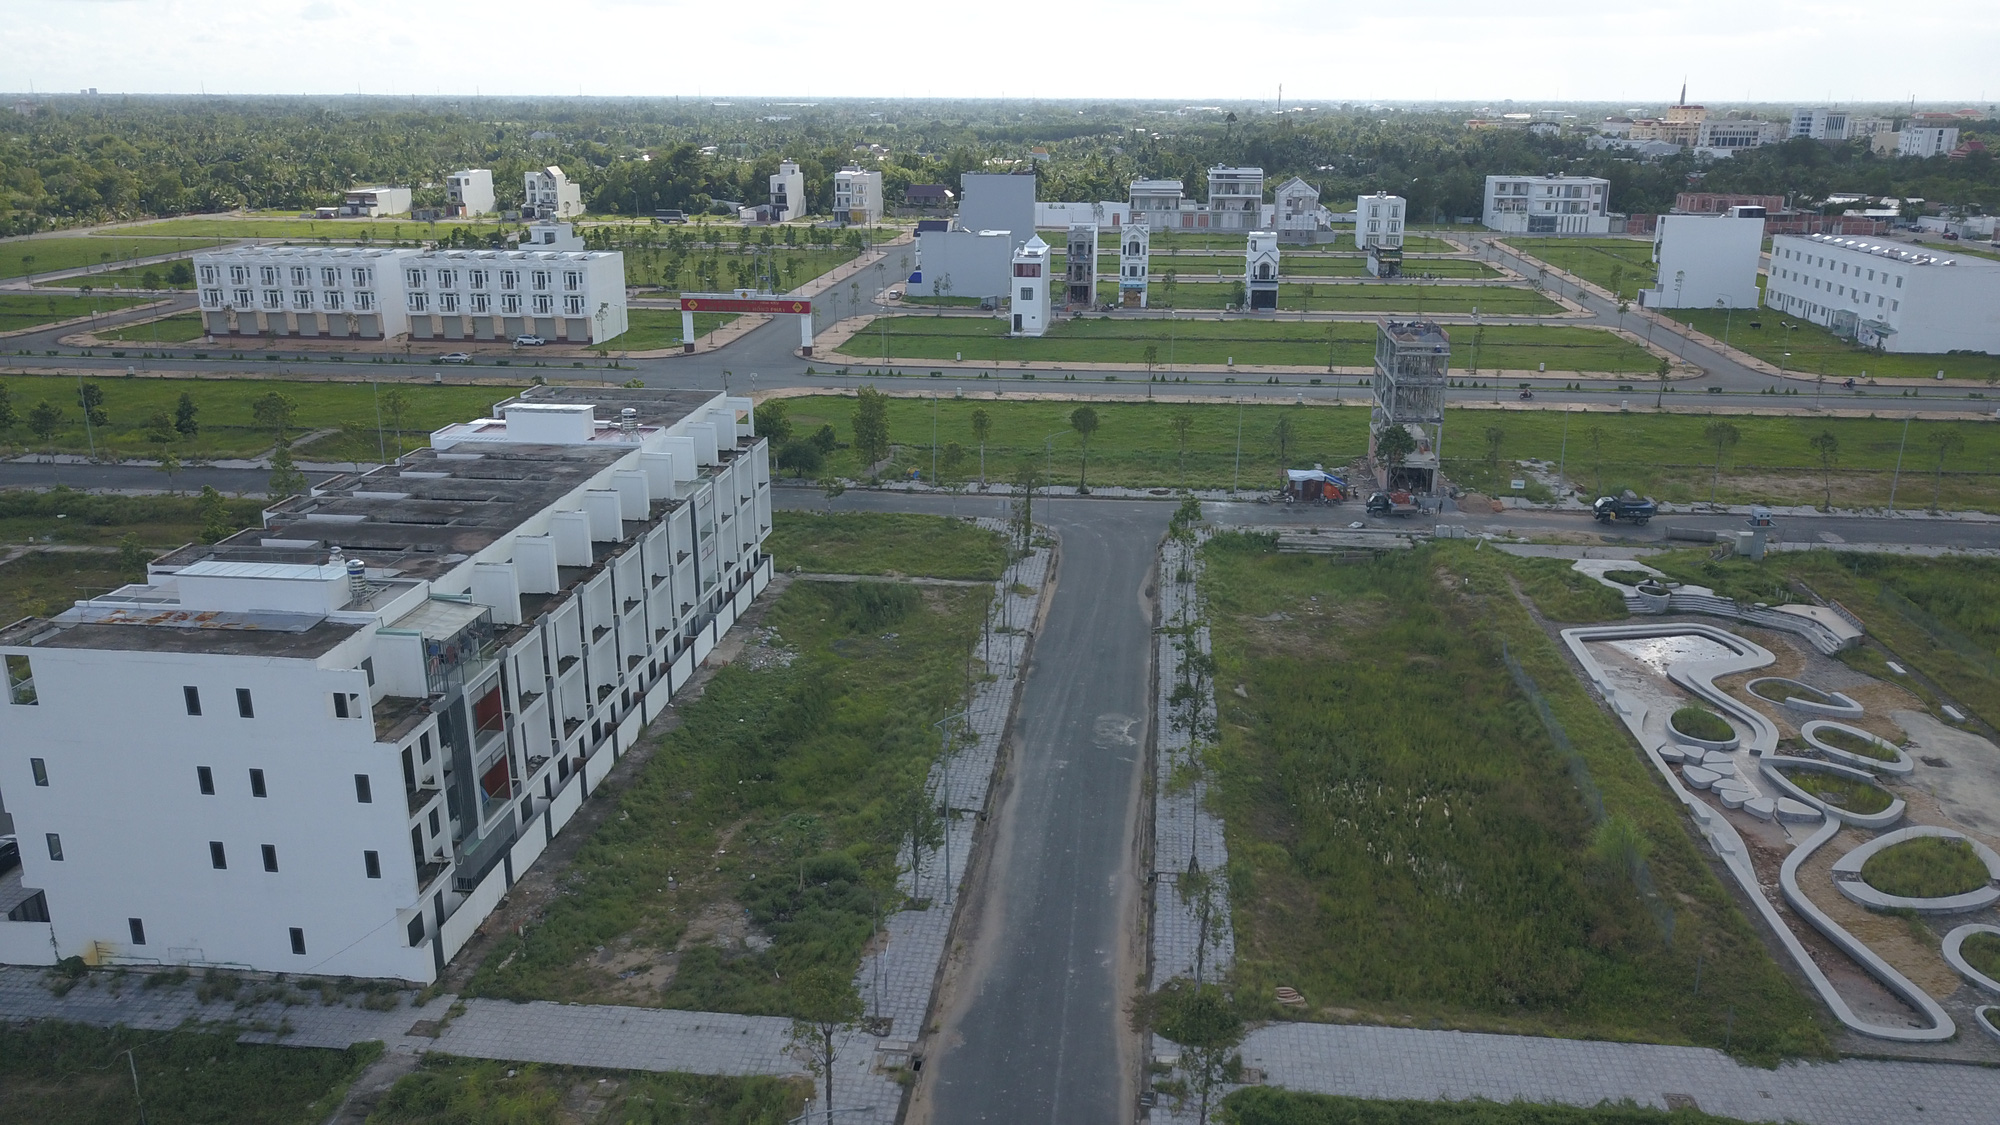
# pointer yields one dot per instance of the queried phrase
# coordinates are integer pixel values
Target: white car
(455, 357)
(529, 341)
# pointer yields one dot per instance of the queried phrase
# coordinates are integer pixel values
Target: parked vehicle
(1396, 503)
(529, 341)
(1627, 506)
(455, 357)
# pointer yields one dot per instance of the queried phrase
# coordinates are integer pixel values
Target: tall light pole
(944, 758)
(1236, 478)
(1562, 458)
(1897, 478)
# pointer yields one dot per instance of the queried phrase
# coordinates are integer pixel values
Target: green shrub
(1699, 722)
(1926, 867)
(1854, 744)
(452, 1091)
(1631, 577)
(1982, 952)
(1846, 793)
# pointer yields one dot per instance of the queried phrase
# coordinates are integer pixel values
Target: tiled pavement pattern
(1182, 827)
(895, 983)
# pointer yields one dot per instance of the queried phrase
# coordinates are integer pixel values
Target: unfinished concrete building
(1082, 266)
(1412, 362)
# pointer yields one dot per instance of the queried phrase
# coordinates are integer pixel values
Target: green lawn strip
(18, 311)
(1855, 796)
(1190, 267)
(180, 328)
(702, 272)
(652, 329)
(1982, 952)
(1596, 259)
(1388, 296)
(1267, 1105)
(1952, 594)
(942, 302)
(55, 1073)
(1926, 867)
(702, 837)
(448, 1090)
(884, 543)
(131, 277)
(305, 230)
(1406, 843)
(1702, 723)
(1236, 240)
(67, 516)
(37, 256)
(1209, 342)
(1561, 593)
(1814, 350)
(1854, 744)
(228, 428)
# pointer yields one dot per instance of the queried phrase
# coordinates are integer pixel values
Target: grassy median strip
(887, 543)
(447, 1090)
(55, 1073)
(1408, 844)
(1264, 1105)
(37, 256)
(757, 840)
(20, 311)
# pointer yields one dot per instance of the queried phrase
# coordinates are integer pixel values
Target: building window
(333, 300)
(482, 303)
(362, 791)
(299, 275)
(416, 279)
(298, 941)
(448, 302)
(572, 279)
(243, 298)
(329, 276)
(40, 770)
(510, 303)
(447, 279)
(573, 305)
(268, 275)
(243, 703)
(257, 784)
(208, 275)
(371, 862)
(302, 298)
(21, 681)
(212, 298)
(417, 930)
(274, 299)
(419, 302)
(544, 304)
(204, 779)
(55, 847)
(424, 745)
(138, 929)
(364, 301)
(476, 278)
(361, 278)
(435, 827)
(541, 279)
(346, 705)
(270, 857)
(1027, 294)
(510, 279)
(216, 858)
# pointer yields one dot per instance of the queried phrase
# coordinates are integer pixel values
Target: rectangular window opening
(205, 778)
(40, 769)
(257, 784)
(55, 847)
(270, 857)
(371, 862)
(243, 703)
(298, 941)
(216, 857)
(192, 696)
(138, 928)
(362, 790)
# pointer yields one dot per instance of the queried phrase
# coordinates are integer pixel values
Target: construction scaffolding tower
(1412, 360)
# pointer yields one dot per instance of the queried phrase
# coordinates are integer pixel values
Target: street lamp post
(1897, 478)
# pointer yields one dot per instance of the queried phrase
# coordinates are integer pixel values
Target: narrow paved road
(1034, 1029)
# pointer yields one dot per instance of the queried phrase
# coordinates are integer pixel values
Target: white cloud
(321, 11)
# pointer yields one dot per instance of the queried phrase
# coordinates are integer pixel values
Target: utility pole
(1562, 459)
(1896, 479)
(944, 757)
(1237, 477)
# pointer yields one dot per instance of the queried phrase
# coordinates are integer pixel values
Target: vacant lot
(1229, 266)
(44, 583)
(1264, 1105)
(1769, 336)
(1621, 264)
(653, 329)
(18, 311)
(68, 1074)
(446, 1090)
(66, 516)
(131, 277)
(1289, 343)
(1372, 296)
(1235, 240)
(718, 269)
(41, 255)
(1409, 842)
(884, 543)
(757, 841)
(180, 328)
(228, 428)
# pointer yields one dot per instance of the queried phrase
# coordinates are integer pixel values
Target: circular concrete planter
(1847, 877)
(1705, 743)
(1988, 1018)
(1775, 767)
(1803, 697)
(1954, 955)
(1901, 766)
(1653, 598)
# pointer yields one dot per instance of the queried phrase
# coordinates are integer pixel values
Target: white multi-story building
(1723, 136)
(1134, 247)
(1820, 124)
(1707, 261)
(1548, 204)
(1080, 266)
(1926, 140)
(552, 288)
(469, 192)
(548, 194)
(1157, 203)
(371, 202)
(206, 765)
(1296, 214)
(857, 196)
(1887, 295)
(1235, 198)
(788, 193)
(1378, 221)
(1260, 271)
(998, 201)
(964, 263)
(1030, 297)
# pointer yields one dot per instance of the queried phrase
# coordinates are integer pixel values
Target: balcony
(430, 871)
(424, 793)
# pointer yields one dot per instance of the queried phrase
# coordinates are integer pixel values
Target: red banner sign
(725, 304)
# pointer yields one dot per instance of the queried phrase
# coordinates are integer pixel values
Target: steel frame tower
(1412, 362)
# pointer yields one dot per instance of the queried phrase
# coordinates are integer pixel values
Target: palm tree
(1084, 421)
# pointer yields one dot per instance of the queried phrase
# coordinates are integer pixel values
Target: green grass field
(18, 311)
(884, 543)
(68, 1074)
(1103, 339)
(180, 328)
(703, 843)
(65, 516)
(446, 1090)
(1234, 240)
(796, 266)
(653, 329)
(1389, 296)
(1596, 259)
(132, 277)
(37, 256)
(1407, 843)
(1926, 867)
(227, 427)
(1269, 1105)
(304, 230)
(1189, 266)
(1815, 350)
(44, 583)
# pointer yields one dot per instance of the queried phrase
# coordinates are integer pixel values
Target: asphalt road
(1034, 1029)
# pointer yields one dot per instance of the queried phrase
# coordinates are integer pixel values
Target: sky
(1822, 51)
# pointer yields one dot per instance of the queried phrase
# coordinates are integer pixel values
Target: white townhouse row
(1887, 295)
(576, 296)
(330, 743)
